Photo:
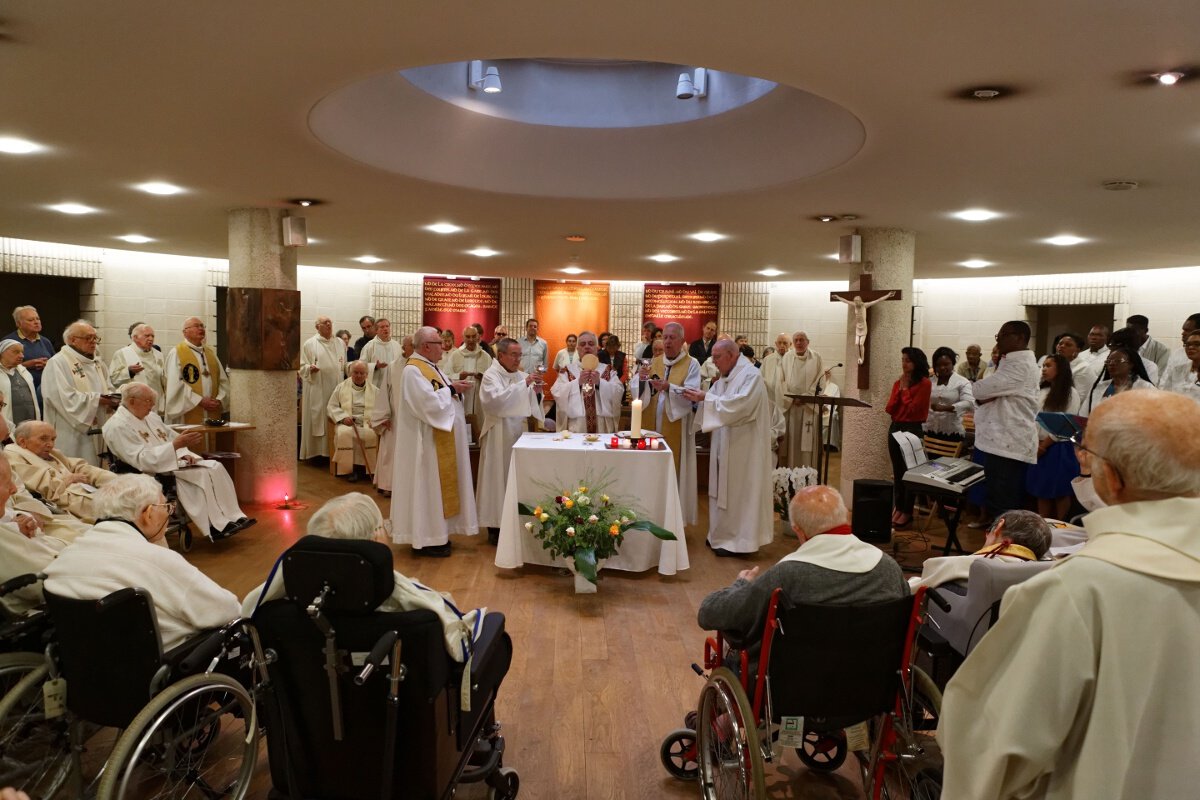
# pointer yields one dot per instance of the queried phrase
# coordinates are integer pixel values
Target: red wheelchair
(829, 680)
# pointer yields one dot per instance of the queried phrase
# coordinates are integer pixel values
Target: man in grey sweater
(831, 566)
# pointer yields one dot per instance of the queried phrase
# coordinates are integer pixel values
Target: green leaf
(525, 510)
(585, 564)
(649, 527)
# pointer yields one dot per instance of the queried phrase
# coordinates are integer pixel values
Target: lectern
(820, 401)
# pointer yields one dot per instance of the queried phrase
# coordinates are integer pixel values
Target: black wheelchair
(179, 524)
(829, 680)
(367, 704)
(182, 729)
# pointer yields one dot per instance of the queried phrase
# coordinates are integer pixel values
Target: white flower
(593, 518)
(624, 521)
(584, 500)
(528, 526)
(571, 531)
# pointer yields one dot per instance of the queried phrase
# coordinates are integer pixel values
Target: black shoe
(384, 492)
(437, 551)
(352, 477)
(721, 552)
(708, 544)
(493, 536)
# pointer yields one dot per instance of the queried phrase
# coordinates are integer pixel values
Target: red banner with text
(690, 306)
(455, 303)
(565, 308)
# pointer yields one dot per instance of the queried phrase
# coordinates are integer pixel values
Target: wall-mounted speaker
(850, 249)
(295, 232)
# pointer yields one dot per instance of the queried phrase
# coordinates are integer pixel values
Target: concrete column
(890, 254)
(264, 398)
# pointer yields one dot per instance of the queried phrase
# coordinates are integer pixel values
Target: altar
(545, 463)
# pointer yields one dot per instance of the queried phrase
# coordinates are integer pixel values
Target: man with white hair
(1015, 536)
(660, 386)
(322, 368)
(33, 516)
(66, 482)
(772, 372)
(76, 395)
(381, 352)
(128, 549)
(139, 362)
(139, 437)
(355, 443)
(24, 549)
(802, 369)
(38, 349)
(708, 370)
(386, 401)
(831, 566)
(431, 462)
(1087, 686)
(591, 397)
(508, 397)
(473, 362)
(738, 414)
(197, 386)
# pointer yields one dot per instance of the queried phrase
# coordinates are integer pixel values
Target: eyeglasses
(169, 506)
(95, 339)
(1077, 440)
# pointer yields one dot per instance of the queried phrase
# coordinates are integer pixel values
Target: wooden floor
(598, 680)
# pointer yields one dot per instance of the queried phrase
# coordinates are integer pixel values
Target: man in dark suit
(701, 349)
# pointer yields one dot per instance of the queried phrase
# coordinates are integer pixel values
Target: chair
(936, 448)
(363, 735)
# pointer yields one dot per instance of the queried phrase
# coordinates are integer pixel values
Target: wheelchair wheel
(678, 754)
(727, 743)
(916, 773)
(512, 785)
(823, 752)
(197, 738)
(34, 751)
(185, 538)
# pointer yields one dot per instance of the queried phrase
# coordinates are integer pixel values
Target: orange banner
(564, 308)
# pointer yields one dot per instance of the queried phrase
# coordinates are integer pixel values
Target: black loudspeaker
(872, 520)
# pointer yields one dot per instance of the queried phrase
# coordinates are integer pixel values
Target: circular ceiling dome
(586, 129)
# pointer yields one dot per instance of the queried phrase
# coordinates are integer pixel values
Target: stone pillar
(889, 254)
(264, 398)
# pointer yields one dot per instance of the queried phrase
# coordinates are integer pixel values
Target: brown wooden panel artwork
(264, 328)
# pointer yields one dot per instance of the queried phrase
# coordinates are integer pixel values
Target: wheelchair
(183, 730)
(367, 704)
(830, 680)
(180, 523)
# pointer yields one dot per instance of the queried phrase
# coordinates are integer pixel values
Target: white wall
(805, 306)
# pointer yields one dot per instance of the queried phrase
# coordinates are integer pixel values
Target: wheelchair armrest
(116, 598)
(20, 582)
(491, 639)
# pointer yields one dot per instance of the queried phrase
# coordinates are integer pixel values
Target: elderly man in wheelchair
(818, 644)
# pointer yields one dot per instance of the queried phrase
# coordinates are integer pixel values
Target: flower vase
(582, 584)
(782, 526)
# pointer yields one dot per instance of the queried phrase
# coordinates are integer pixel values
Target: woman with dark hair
(950, 397)
(1123, 370)
(909, 408)
(1049, 480)
(614, 356)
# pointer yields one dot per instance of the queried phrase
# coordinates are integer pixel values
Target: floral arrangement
(788, 482)
(585, 524)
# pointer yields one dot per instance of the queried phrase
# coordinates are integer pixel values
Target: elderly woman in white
(16, 385)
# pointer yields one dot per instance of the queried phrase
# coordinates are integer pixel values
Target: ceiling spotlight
(18, 147)
(770, 272)
(73, 208)
(1120, 186)
(160, 188)
(576, 237)
(483, 252)
(825, 218)
(1169, 78)
(975, 215)
(694, 85)
(135, 238)
(573, 270)
(368, 260)
(975, 263)
(664, 258)
(1065, 240)
(443, 227)
(305, 202)
(487, 80)
(985, 94)
(708, 236)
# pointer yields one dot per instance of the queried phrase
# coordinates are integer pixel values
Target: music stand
(819, 401)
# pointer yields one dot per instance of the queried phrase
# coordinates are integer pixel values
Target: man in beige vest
(197, 387)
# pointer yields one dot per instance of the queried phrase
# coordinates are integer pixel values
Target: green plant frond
(650, 527)
(585, 564)
(525, 510)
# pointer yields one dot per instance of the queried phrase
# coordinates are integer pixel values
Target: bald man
(591, 398)
(322, 367)
(1087, 686)
(197, 386)
(65, 481)
(139, 362)
(77, 397)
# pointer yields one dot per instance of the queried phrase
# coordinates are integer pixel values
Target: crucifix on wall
(860, 300)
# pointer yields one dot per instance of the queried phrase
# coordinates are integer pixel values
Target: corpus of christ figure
(860, 319)
(860, 300)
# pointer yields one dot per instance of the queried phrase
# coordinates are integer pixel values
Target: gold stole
(1007, 548)
(443, 447)
(671, 431)
(189, 373)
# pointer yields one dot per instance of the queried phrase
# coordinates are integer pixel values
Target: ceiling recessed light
(770, 272)
(849, 217)
(975, 263)
(368, 260)
(443, 227)
(483, 252)
(1120, 185)
(576, 237)
(825, 218)
(73, 208)
(975, 215)
(664, 258)
(136, 238)
(305, 202)
(160, 188)
(1169, 78)
(1065, 240)
(708, 236)
(18, 147)
(572, 270)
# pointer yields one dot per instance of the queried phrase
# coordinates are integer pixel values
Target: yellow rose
(568, 503)
(544, 517)
(603, 498)
(583, 490)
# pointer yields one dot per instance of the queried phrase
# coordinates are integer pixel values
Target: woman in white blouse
(16, 385)
(949, 398)
(567, 356)
(1123, 371)
(1183, 377)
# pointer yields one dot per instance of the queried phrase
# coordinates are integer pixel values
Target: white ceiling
(217, 98)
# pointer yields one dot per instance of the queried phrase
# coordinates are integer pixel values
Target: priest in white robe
(66, 482)
(431, 466)
(139, 362)
(659, 385)
(473, 362)
(736, 411)
(138, 436)
(591, 397)
(381, 352)
(76, 394)
(322, 365)
(387, 399)
(772, 372)
(355, 443)
(197, 386)
(507, 398)
(802, 369)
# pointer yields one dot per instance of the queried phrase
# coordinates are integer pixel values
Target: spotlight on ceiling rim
(478, 78)
(694, 85)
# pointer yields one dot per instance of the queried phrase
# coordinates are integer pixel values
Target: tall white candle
(635, 419)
